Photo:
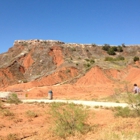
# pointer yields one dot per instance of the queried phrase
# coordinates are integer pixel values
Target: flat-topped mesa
(34, 41)
(77, 45)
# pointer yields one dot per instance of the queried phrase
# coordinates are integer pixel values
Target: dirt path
(82, 102)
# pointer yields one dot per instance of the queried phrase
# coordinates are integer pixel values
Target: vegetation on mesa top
(112, 49)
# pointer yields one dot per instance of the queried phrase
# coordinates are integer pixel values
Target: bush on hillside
(111, 51)
(136, 58)
(120, 58)
(109, 59)
(106, 47)
(124, 112)
(119, 49)
(123, 45)
(92, 61)
(114, 48)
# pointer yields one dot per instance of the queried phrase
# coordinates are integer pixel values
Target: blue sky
(71, 21)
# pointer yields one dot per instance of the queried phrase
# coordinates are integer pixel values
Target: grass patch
(122, 129)
(134, 101)
(117, 98)
(134, 107)
(124, 112)
(31, 114)
(122, 135)
(12, 137)
(6, 112)
(13, 98)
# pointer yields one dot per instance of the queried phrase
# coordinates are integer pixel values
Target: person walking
(136, 89)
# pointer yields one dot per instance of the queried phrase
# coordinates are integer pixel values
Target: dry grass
(123, 129)
(104, 125)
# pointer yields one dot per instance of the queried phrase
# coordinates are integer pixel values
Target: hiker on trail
(136, 89)
(50, 95)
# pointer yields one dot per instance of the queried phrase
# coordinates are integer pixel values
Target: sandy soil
(28, 127)
(96, 83)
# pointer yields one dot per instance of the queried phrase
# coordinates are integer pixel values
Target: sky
(98, 22)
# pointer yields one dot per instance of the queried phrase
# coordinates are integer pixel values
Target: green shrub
(13, 98)
(24, 81)
(119, 49)
(123, 45)
(106, 47)
(87, 65)
(114, 48)
(136, 58)
(69, 118)
(109, 59)
(92, 61)
(123, 112)
(111, 51)
(120, 58)
(87, 59)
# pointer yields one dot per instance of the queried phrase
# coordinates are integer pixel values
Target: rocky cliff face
(32, 59)
(47, 63)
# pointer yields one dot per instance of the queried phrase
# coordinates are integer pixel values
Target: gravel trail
(82, 102)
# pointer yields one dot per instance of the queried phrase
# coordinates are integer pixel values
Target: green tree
(123, 45)
(111, 51)
(119, 49)
(106, 47)
(136, 58)
(114, 48)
